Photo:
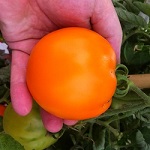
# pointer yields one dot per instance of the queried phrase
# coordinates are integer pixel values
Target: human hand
(24, 23)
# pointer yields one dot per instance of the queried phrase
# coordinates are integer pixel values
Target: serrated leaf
(131, 17)
(8, 143)
(99, 138)
(130, 6)
(4, 74)
(141, 57)
(146, 134)
(117, 4)
(135, 55)
(2, 90)
(144, 115)
(141, 143)
(144, 7)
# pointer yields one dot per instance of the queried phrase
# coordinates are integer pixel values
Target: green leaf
(135, 50)
(5, 74)
(8, 143)
(2, 91)
(99, 138)
(144, 7)
(141, 142)
(131, 7)
(117, 4)
(131, 18)
(146, 134)
(135, 53)
(144, 115)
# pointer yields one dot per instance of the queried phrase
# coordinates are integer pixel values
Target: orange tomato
(2, 109)
(71, 73)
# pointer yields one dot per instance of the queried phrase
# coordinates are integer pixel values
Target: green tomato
(28, 130)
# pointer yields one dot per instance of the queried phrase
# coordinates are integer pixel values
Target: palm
(24, 23)
(28, 21)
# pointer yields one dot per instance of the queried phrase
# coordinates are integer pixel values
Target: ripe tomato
(2, 109)
(71, 73)
(28, 130)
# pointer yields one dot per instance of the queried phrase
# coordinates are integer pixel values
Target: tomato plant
(28, 130)
(2, 109)
(75, 77)
(126, 124)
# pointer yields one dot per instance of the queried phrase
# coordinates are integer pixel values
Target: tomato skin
(27, 130)
(71, 73)
(2, 109)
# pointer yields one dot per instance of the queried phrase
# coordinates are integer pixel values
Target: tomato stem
(112, 112)
(137, 90)
(114, 131)
(118, 117)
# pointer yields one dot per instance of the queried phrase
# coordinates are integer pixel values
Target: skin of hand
(23, 23)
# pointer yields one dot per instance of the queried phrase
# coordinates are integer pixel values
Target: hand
(23, 23)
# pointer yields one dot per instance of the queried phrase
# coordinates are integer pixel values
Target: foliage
(136, 34)
(126, 125)
(7, 143)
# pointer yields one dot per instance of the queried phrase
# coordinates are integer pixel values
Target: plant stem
(118, 117)
(112, 112)
(114, 131)
(137, 90)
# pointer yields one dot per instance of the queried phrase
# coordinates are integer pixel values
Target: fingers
(20, 96)
(52, 123)
(70, 122)
(105, 22)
